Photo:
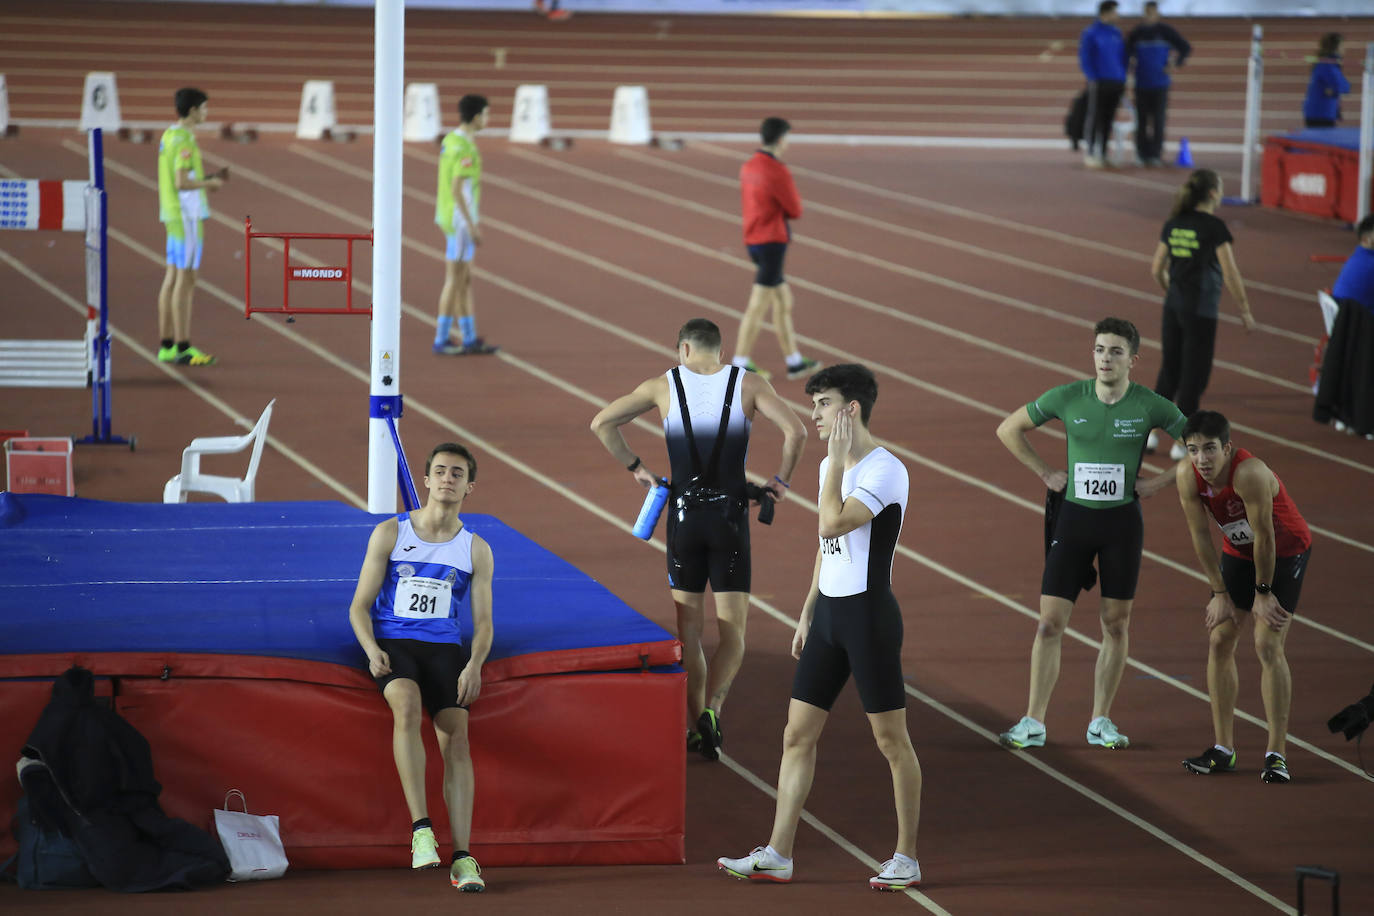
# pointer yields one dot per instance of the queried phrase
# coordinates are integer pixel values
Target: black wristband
(1262, 588)
(634, 465)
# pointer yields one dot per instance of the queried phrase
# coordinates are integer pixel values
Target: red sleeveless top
(1291, 536)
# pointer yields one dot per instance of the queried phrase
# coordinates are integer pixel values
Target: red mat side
(571, 769)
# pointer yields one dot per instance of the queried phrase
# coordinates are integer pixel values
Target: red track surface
(968, 279)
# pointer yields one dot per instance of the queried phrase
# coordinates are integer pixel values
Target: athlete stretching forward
(1265, 546)
(1106, 420)
(850, 624)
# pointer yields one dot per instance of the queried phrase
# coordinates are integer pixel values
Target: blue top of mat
(272, 579)
(1340, 137)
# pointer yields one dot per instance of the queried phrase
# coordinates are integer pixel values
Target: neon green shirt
(178, 152)
(459, 158)
(1106, 441)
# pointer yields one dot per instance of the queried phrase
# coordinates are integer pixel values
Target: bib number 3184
(422, 598)
(1099, 482)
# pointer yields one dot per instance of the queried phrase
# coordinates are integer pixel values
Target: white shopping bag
(251, 841)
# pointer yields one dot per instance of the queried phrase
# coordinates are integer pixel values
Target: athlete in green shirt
(1106, 420)
(456, 209)
(181, 187)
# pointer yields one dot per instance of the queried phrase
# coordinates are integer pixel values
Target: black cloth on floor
(95, 783)
(1346, 389)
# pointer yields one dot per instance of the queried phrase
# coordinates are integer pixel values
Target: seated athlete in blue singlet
(418, 567)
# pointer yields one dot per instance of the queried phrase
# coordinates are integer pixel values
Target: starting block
(630, 116)
(422, 118)
(39, 466)
(530, 118)
(316, 119)
(234, 132)
(100, 102)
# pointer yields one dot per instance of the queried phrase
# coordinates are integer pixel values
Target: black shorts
(434, 666)
(1239, 576)
(1115, 536)
(709, 545)
(768, 257)
(860, 635)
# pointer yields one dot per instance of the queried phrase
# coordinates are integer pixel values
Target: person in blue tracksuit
(1151, 44)
(1321, 107)
(1102, 57)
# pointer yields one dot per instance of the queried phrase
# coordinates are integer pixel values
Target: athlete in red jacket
(769, 199)
(1265, 547)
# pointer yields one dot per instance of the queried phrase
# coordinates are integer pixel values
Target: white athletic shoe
(424, 849)
(1026, 733)
(896, 874)
(1103, 733)
(760, 865)
(1152, 442)
(1177, 451)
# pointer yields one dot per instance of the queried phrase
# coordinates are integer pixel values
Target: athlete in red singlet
(1265, 548)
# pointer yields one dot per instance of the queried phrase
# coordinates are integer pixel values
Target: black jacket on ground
(1346, 389)
(94, 782)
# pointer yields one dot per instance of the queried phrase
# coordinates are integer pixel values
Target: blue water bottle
(651, 510)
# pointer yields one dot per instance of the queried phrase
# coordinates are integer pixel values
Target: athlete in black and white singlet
(708, 543)
(861, 561)
(705, 396)
(423, 586)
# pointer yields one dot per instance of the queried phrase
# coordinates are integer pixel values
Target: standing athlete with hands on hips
(404, 614)
(1106, 420)
(850, 624)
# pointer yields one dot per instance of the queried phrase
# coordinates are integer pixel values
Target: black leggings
(1150, 107)
(1104, 96)
(1189, 342)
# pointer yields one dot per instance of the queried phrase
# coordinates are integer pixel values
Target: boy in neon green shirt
(456, 207)
(181, 186)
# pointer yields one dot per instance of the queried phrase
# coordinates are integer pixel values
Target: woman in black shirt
(1191, 263)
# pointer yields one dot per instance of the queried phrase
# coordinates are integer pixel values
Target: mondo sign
(319, 273)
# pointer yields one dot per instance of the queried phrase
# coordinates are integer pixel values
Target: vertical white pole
(1254, 80)
(1366, 132)
(387, 112)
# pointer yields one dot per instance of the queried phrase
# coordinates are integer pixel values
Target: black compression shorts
(1239, 576)
(434, 666)
(709, 545)
(768, 258)
(1115, 536)
(860, 635)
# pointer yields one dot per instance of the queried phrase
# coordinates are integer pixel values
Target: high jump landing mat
(221, 632)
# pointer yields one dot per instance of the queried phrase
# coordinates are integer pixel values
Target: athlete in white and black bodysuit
(850, 624)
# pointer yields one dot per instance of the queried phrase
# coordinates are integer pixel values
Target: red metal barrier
(301, 273)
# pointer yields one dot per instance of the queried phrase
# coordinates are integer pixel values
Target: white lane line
(468, 435)
(181, 379)
(1038, 231)
(658, 544)
(365, 175)
(682, 244)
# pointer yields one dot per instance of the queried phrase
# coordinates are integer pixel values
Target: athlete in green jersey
(1106, 421)
(181, 187)
(456, 210)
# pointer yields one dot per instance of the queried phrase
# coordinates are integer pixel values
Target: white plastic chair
(230, 489)
(1330, 309)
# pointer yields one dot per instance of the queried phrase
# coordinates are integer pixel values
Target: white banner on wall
(1084, 8)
